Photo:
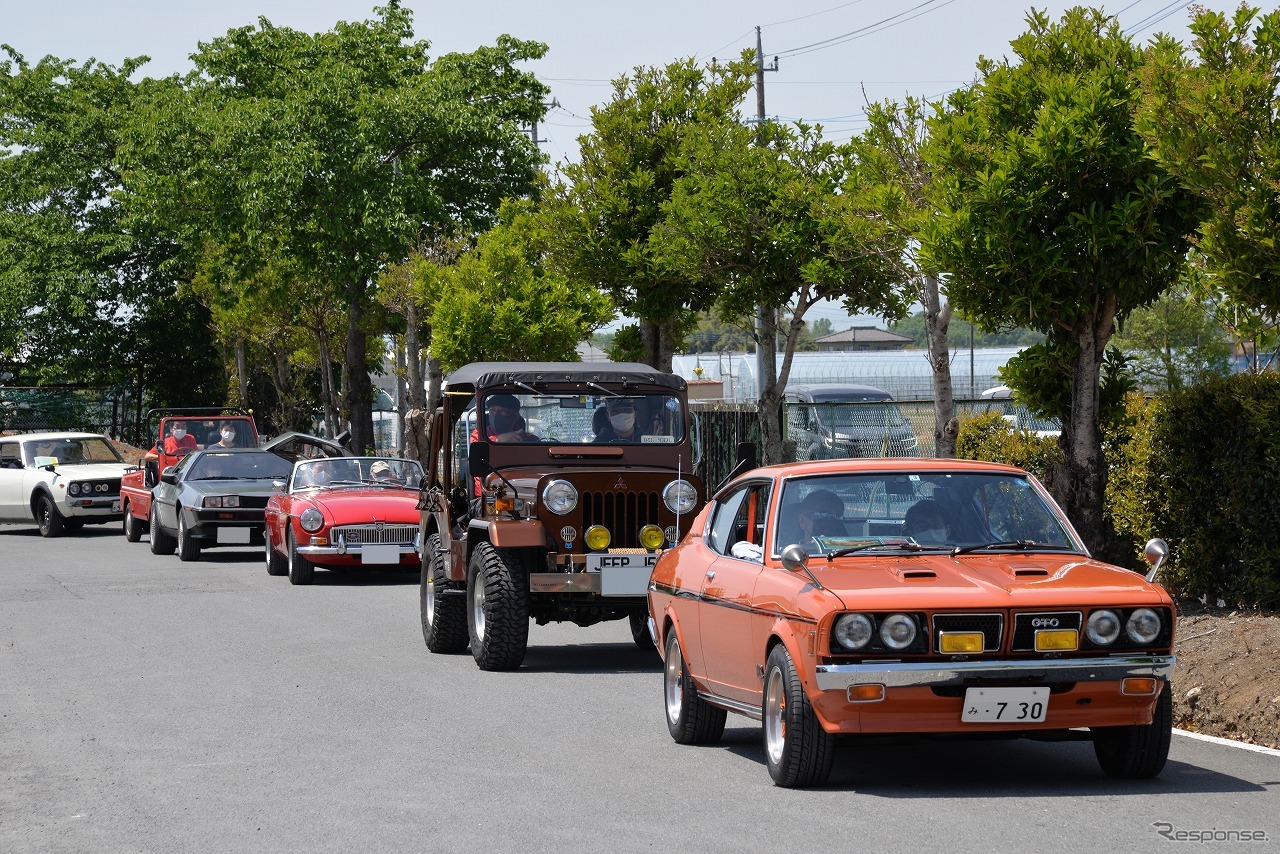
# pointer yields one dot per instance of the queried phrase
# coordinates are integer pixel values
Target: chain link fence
(89, 409)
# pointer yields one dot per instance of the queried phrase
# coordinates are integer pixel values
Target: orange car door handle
(711, 574)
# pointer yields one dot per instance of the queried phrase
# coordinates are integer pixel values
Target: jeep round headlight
(852, 631)
(312, 520)
(898, 631)
(652, 538)
(1143, 626)
(597, 538)
(560, 496)
(1103, 627)
(680, 496)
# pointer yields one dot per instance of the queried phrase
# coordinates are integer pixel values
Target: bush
(989, 437)
(1202, 469)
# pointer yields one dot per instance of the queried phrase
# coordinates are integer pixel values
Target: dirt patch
(131, 454)
(1227, 680)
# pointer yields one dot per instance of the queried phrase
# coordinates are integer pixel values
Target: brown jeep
(551, 489)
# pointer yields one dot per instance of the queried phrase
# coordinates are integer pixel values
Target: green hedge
(1198, 467)
(1201, 468)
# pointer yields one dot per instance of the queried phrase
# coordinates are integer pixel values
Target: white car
(60, 480)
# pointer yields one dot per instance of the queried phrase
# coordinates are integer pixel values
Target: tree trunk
(937, 319)
(327, 397)
(359, 390)
(401, 403)
(417, 435)
(1080, 481)
(413, 359)
(242, 372)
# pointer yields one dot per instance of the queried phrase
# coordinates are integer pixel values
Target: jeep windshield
(583, 419)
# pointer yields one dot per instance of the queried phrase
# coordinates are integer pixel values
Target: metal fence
(838, 430)
(88, 409)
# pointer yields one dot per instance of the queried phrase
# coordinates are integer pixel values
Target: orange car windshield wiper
(1018, 545)
(906, 545)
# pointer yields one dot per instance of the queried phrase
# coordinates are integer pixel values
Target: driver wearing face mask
(503, 421)
(620, 425)
(179, 441)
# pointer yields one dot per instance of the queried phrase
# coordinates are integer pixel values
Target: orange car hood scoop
(914, 573)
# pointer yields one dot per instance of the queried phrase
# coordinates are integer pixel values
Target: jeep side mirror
(478, 460)
(747, 455)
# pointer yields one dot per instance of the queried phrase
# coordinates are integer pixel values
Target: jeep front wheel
(48, 518)
(497, 608)
(443, 607)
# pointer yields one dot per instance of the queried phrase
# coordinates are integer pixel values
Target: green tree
(1211, 119)
(340, 150)
(612, 204)
(89, 285)
(499, 303)
(1174, 342)
(760, 218)
(1052, 215)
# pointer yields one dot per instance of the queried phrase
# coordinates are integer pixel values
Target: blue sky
(829, 52)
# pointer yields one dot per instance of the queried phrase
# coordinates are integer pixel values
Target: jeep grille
(623, 513)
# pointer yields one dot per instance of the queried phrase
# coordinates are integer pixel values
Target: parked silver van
(836, 420)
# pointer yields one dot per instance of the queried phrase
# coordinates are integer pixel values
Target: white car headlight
(680, 496)
(898, 631)
(311, 520)
(852, 631)
(1143, 626)
(560, 496)
(1103, 627)
(73, 489)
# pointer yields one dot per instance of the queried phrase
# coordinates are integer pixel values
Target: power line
(869, 29)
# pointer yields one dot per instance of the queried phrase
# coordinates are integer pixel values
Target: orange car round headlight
(311, 520)
(1143, 626)
(852, 631)
(898, 631)
(1103, 627)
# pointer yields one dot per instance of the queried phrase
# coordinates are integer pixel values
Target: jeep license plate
(622, 574)
(1005, 705)
(233, 536)
(380, 553)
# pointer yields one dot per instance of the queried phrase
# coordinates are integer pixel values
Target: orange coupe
(907, 596)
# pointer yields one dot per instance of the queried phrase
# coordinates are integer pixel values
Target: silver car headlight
(1143, 626)
(680, 496)
(898, 631)
(1103, 627)
(560, 497)
(852, 631)
(311, 520)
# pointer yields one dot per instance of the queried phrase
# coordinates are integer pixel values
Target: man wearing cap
(622, 425)
(503, 422)
(381, 472)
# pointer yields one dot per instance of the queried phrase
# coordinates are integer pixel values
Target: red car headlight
(311, 520)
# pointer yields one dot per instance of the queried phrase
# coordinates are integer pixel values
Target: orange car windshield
(919, 510)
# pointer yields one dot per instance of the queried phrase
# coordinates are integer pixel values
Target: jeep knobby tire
(444, 614)
(497, 608)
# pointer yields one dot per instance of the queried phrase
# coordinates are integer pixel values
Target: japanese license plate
(1005, 705)
(115, 506)
(233, 536)
(622, 574)
(380, 553)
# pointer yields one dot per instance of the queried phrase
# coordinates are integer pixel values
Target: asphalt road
(152, 705)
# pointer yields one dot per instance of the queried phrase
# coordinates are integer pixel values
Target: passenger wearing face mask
(926, 524)
(621, 424)
(179, 441)
(226, 435)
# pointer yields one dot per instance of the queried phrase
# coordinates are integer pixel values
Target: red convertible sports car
(344, 512)
(908, 596)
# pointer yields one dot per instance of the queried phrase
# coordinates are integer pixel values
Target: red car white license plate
(1005, 705)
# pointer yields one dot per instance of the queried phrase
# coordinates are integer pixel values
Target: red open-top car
(344, 512)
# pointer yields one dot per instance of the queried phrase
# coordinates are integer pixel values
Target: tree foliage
(1053, 216)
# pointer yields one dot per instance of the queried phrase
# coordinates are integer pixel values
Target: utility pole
(533, 129)
(764, 313)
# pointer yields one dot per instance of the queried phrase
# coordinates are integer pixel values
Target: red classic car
(908, 596)
(344, 512)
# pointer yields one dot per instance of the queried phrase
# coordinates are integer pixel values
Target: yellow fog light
(597, 538)
(961, 642)
(651, 537)
(504, 504)
(1057, 640)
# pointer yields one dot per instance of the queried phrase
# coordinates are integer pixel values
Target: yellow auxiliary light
(597, 538)
(652, 538)
(956, 642)
(1057, 640)
(504, 504)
